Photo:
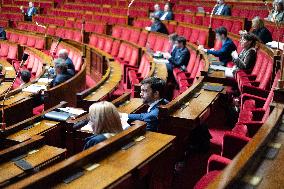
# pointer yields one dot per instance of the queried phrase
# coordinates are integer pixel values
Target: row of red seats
(27, 40)
(4, 23)
(105, 2)
(275, 32)
(90, 16)
(89, 26)
(254, 112)
(8, 51)
(142, 38)
(120, 10)
(127, 54)
(193, 33)
(12, 16)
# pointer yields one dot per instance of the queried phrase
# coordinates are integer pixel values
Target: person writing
(104, 122)
(228, 46)
(152, 90)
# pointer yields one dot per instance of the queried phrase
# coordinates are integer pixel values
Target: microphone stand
(129, 5)
(211, 15)
(56, 46)
(3, 123)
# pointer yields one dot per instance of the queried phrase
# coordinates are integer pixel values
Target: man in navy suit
(62, 74)
(157, 26)
(158, 12)
(152, 90)
(168, 13)
(30, 12)
(222, 9)
(228, 46)
(63, 53)
(179, 56)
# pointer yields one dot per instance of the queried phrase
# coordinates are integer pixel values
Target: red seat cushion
(38, 110)
(206, 179)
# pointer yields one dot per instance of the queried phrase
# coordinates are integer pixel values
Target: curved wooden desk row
(111, 165)
(18, 100)
(260, 163)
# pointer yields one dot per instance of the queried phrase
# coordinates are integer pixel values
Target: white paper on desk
(166, 55)
(229, 72)
(165, 61)
(124, 119)
(34, 88)
(74, 111)
(44, 80)
(87, 127)
(9, 68)
(274, 45)
(218, 68)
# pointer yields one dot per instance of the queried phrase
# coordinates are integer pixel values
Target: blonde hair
(104, 118)
(258, 21)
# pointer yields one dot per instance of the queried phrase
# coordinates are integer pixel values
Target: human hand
(234, 54)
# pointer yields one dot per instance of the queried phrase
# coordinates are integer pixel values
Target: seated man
(152, 90)
(277, 14)
(2, 34)
(63, 53)
(222, 9)
(61, 73)
(228, 46)
(157, 26)
(30, 12)
(179, 56)
(157, 11)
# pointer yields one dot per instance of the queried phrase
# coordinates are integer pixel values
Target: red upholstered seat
(116, 31)
(38, 110)
(35, 66)
(159, 43)
(39, 44)
(93, 40)
(101, 43)
(151, 40)
(194, 36)
(217, 162)
(122, 51)
(4, 50)
(89, 82)
(202, 38)
(143, 39)
(134, 36)
(115, 48)
(206, 179)
(108, 45)
(31, 41)
(39, 69)
(23, 39)
(13, 51)
(125, 34)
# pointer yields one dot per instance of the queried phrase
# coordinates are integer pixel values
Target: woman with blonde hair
(104, 121)
(259, 30)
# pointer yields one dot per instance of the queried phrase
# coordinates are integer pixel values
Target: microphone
(210, 21)
(24, 59)
(56, 46)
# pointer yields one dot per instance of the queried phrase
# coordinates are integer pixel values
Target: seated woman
(260, 30)
(104, 122)
(247, 57)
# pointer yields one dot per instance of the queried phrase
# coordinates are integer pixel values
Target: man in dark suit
(62, 74)
(168, 13)
(2, 34)
(152, 90)
(179, 56)
(228, 46)
(30, 12)
(63, 53)
(222, 9)
(158, 26)
(158, 12)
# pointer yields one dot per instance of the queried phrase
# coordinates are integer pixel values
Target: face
(157, 7)
(244, 43)
(255, 25)
(30, 4)
(220, 2)
(179, 45)
(147, 94)
(166, 7)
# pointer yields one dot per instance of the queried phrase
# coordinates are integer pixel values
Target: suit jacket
(93, 140)
(151, 117)
(158, 13)
(246, 59)
(60, 78)
(179, 57)
(226, 11)
(279, 17)
(33, 11)
(70, 66)
(169, 16)
(158, 26)
(224, 53)
(263, 34)
(3, 35)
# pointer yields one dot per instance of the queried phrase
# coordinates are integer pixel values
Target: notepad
(213, 88)
(23, 164)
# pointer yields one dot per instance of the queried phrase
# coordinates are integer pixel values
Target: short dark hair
(25, 76)
(156, 84)
(181, 40)
(173, 36)
(222, 30)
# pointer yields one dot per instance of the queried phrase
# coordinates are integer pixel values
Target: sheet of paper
(44, 80)
(75, 111)
(9, 68)
(219, 68)
(34, 88)
(160, 60)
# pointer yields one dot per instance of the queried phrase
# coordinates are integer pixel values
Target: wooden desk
(122, 162)
(130, 106)
(35, 157)
(107, 84)
(9, 70)
(38, 128)
(161, 71)
(4, 86)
